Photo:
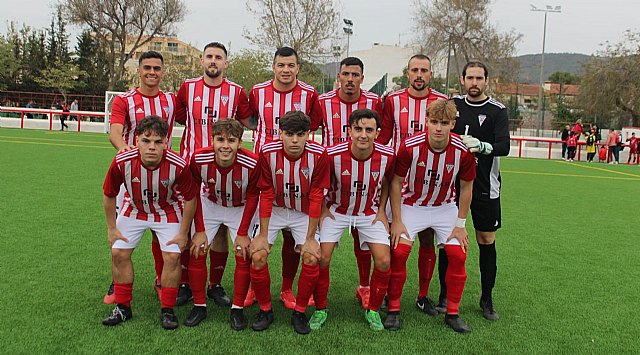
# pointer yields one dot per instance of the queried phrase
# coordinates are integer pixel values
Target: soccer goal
(108, 101)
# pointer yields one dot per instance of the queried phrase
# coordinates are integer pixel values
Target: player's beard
(474, 92)
(425, 86)
(213, 75)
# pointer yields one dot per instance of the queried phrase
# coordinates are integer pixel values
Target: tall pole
(348, 30)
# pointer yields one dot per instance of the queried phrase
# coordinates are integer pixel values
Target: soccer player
(203, 101)
(230, 180)
(360, 173)
(405, 114)
(294, 176)
(270, 101)
(488, 136)
(429, 163)
(157, 182)
(332, 113)
(127, 111)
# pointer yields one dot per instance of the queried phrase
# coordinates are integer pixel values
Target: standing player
(270, 101)
(157, 181)
(488, 137)
(405, 114)
(332, 113)
(127, 111)
(294, 176)
(360, 173)
(230, 182)
(429, 163)
(202, 102)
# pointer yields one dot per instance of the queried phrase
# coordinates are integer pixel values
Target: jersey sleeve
(386, 122)
(252, 197)
(468, 167)
(391, 166)
(253, 103)
(113, 180)
(186, 185)
(502, 142)
(378, 107)
(316, 116)
(243, 110)
(265, 185)
(119, 110)
(198, 219)
(403, 161)
(321, 177)
(181, 105)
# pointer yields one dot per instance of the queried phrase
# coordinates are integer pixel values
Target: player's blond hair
(442, 109)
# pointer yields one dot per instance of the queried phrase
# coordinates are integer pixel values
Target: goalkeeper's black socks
(488, 268)
(443, 263)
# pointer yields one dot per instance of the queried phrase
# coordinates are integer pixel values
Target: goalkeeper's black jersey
(489, 122)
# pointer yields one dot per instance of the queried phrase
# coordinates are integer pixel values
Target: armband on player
(476, 146)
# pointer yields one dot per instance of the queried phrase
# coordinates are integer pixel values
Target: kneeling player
(429, 163)
(293, 178)
(360, 173)
(156, 180)
(230, 180)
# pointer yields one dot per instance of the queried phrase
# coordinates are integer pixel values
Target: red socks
(379, 286)
(363, 258)
(158, 261)
(290, 260)
(168, 297)
(261, 281)
(306, 284)
(456, 277)
(398, 276)
(322, 288)
(217, 263)
(198, 277)
(241, 279)
(426, 265)
(124, 293)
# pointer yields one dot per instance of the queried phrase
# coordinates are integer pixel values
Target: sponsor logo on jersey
(268, 105)
(449, 167)
(346, 172)
(135, 179)
(481, 118)
(421, 164)
(238, 183)
(305, 172)
(375, 175)
(140, 110)
(211, 181)
(404, 110)
(225, 99)
(279, 172)
(165, 182)
(197, 99)
(297, 105)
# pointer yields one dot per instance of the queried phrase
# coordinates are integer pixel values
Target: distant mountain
(568, 62)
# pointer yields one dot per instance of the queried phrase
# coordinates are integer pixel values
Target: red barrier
(50, 112)
(550, 141)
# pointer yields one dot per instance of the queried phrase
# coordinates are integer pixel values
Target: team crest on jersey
(211, 181)
(165, 182)
(404, 110)
(449, 167)
(139, 110)
(297, 105)
(238, 183)
(375, 175)
(197, 99)
(305, 172)
(481, 118)
(336, 115)
(421, 164)
(225, 99)
(135, 179)
(279, 172)
(346, 172)
(268, 105)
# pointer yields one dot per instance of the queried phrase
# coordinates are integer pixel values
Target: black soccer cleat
(119, 314)
(219, 297)
(393, 321)
(442, 305)
(425, 304)
(300, 323)
(456, 323)
(197, 315)
(168, 320)
(385, 304)
(237, 319)
(184, 295)
(263, 320)
(487, 309)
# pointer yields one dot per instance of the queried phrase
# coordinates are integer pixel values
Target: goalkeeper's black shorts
(486, 214)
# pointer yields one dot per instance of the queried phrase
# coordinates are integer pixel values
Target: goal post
(108, 102)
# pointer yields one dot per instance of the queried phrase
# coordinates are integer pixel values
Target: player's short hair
(150, 54)
(357, 115)
(216, 45)
(419, 56)
(475, 64)
(227, 127)
(352, 61)
(442, 109)
(286, 52)
(295, 122)
(153, 124)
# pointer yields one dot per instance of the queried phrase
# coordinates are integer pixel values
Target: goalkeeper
(483, 124)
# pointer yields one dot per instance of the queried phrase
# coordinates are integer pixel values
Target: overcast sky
(581, 27)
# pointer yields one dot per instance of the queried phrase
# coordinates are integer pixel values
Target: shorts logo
(305, 172)
(212, 181)
(279, 172)
(165, 182)
(481, 118)
(297, 105)
(346, 172)
(224, 99)
(375, 175)
(449, 167)
(135, 179)
(336, 115)
(197, 99)
(238, 183)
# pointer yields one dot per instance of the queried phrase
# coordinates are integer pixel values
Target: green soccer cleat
(318, 319)
(373, 317)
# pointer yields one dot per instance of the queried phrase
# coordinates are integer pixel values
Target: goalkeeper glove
(476, 146)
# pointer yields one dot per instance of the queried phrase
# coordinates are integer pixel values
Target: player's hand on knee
(397, 230)
(462, 236)
(381, 216)
(312, 247)
(241, 246)
(258, 244)
(114, 234)
(199, 244)
(180, 240)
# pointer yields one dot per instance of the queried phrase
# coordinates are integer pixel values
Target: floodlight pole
(348, 30)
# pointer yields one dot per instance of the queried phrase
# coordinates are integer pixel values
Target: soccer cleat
(288, 299)
(219, 297)
(197, 315)
(119, 314)
(300, 323)
(385, 304)
(393, 321)
(184, 295)
(456, 323)
(110, 296)
(250, 299)
(168, 319)
(487, 309)
(373, 318)
(318, 319)
(442, 305)
(237, 319)
(362, 294)
(263, 320)
(425, 304)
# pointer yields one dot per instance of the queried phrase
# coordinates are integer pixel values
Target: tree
(57, 40)
(62, 77)
(462, 27)
(9, 64)
(124, 26)
(564, 78)
(177, 69)
(304, 25)
(91, 59)
(249, 68)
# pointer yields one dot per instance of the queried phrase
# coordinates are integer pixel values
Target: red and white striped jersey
(292, 180)
(430, 176)
(405, 115)
(355, 184)
(154, 195)
(200, 105)
(131, 107)
(269, 104)
(332, 113)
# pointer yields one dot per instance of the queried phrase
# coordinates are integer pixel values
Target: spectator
(29, 105)
(612, 144)
(598, 133)
(63, 117)
(74, 107)
(572, 145)
(578, 127)
(633, 148)
(591, 144)
(564, 135)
